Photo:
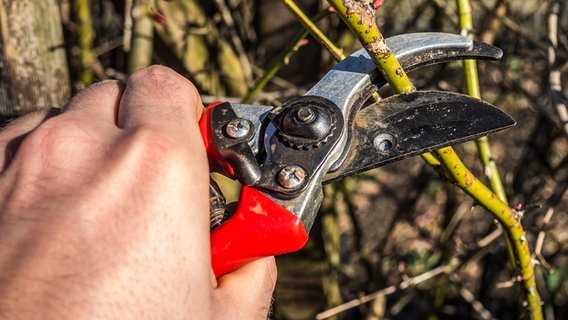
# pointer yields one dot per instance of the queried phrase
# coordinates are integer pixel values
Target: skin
(104, 211)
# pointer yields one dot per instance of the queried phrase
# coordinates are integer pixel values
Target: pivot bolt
(384, 142)
(305, 115)
(291, 177)
(238, 128)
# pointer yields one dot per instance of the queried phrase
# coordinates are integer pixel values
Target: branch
(314, 30)
(359, 16)
(451, 268)
(473, 89)
(554, 77)
(85, 40)
(142, 45)
(407, 283)
(282, 60)
(507, 217)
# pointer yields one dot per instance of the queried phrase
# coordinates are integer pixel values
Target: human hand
(104, 211)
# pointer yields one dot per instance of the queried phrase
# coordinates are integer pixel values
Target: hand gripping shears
(282, 156)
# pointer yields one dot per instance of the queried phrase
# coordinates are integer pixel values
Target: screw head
(291, 177)
(305, 114)
(238, 128)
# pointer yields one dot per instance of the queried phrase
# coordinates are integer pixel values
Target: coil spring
(218, 213)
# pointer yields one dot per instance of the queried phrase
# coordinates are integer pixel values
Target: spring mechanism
(218, 213)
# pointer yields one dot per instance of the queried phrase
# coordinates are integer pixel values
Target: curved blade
(415, 50)
(406, 125)
(353, 79)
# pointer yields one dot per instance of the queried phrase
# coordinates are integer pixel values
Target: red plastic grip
(259, 228)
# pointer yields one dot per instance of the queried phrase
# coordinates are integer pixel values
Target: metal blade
(416, 50)
(406, 125)
(352, 80)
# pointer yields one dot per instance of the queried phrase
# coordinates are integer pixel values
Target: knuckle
(153, 147)
(153, 76)
(56, 141)
(97, 89)
(45, 139)
(41, 155)
(100, 92)
(26, 123)
(103, 86)
(157, 154)
(166, 86)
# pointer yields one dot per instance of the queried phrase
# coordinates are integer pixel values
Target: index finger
(158, 95)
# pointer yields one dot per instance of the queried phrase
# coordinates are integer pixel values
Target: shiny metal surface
(349, 85)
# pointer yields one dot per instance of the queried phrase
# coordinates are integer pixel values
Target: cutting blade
(410, 124)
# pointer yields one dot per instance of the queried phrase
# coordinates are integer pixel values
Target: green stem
(483, 147)
(506, 216)
(314, 30)
(85, 40)
(285, 56)
(473, 89)
(359, 16)
(430, 159)
(360, 19)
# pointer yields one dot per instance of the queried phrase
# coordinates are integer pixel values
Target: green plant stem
(473, 89)
(430, 159)
(270, 73)
(314, 30)
(281, 60)
(483, 146)
(360, 19)
(506, 216)
(85, 40)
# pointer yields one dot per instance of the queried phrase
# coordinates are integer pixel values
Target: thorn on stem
(377, 4)
(158, 16)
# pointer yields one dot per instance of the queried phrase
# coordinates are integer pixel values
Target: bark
(33, 67)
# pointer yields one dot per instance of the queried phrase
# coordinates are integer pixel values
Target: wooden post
(33, 66)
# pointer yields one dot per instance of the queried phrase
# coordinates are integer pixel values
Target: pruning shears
(283, 155)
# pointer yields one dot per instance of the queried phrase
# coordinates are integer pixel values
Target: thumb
(246, 293)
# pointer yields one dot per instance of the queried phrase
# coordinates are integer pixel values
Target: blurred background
(402, 236)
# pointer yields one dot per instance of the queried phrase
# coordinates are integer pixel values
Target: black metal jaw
(231, 135)
(297, 140)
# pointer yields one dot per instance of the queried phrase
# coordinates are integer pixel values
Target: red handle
(259, 228)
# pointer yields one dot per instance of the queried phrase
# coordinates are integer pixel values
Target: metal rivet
(384, 142)
(238, 128)
(291, 177)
